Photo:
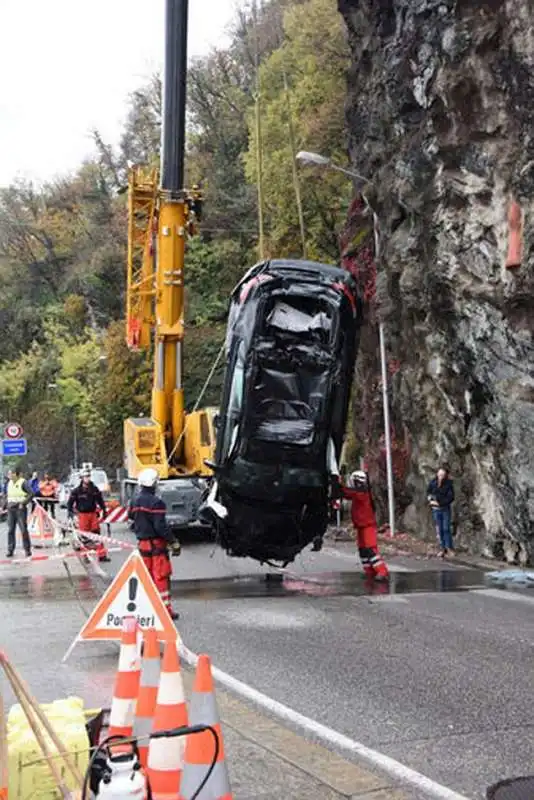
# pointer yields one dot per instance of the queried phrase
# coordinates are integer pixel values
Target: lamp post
(323, 161)
(74, 429)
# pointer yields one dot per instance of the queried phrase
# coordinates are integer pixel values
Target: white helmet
(86, 472)
(358, 478)
(148, 478)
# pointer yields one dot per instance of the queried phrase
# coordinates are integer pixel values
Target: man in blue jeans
(440, 495)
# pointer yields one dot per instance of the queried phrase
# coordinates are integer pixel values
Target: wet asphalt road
(437, 678)
(437, 674)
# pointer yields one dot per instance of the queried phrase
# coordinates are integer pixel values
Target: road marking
(387, 598)
(385, 763)
(502, 594)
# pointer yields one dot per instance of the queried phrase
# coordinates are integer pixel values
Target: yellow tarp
(34, 781)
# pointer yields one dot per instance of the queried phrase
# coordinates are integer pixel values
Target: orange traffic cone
(166, 755)
(148, 693)
(126, 683)
(40, 527)
(199, 746)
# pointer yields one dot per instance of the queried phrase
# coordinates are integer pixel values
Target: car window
(235, 400)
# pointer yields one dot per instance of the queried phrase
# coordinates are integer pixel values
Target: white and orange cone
(199, 746)
(126, 682)
(148, 693)
(166, 755)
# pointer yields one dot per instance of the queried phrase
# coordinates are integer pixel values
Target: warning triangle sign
(133, 593)
(40, 525)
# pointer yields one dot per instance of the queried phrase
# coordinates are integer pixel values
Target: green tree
(313, 57)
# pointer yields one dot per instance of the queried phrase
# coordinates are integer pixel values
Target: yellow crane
(161, 215)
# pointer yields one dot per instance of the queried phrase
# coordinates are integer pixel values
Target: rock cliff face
(441, 114)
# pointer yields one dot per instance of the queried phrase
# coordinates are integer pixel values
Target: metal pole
(174, 96)
(259, 143)
(383, 365)
(75, 441)
(296, 184)
(387, 436)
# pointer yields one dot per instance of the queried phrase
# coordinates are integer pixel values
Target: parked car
(291, 345)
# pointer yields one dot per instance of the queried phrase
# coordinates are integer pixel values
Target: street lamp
(322, 161)
(74, 429)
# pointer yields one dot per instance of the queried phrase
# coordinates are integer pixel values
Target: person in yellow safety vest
(48, 490)
(19, 494)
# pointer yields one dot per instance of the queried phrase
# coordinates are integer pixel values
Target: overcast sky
(68, 65)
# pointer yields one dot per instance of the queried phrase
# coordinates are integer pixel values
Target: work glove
(336, 490)
(175, 548)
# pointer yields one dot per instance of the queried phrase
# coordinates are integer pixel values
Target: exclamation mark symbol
(132, 591)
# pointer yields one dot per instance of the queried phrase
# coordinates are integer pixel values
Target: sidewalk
(408, 545)
(267, 760)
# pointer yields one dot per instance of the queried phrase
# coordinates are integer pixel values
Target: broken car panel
(291, 345)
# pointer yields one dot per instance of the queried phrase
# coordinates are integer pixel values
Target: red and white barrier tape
(55, 557)
(105, 539)
(96, 536)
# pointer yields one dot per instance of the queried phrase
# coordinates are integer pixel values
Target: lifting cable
(198, 401)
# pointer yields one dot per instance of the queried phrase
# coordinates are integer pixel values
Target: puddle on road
(328, 584)
(45, 589)
(321, 584)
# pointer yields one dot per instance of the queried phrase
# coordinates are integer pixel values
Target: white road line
(388, 765)
(347, 556)
(502, 594)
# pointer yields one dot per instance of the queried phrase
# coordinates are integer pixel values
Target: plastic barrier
(35, 780)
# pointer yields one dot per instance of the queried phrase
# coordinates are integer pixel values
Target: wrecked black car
(291, 345)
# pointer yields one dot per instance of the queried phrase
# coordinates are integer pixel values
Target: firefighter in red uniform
(86, 500)
(153, 535)
(358, 491)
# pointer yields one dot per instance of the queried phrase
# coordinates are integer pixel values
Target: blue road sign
(14, 447)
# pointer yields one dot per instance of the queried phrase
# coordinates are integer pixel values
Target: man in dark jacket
(86, 499)
(153, 535)
(440, 495)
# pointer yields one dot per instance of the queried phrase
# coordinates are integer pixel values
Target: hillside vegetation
(63, 245)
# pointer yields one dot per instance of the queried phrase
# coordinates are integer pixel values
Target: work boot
(10, 555)
(381, 572)
(174, 614)
(317, 544)
(105, 559)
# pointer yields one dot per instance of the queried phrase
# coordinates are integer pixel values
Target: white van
(98, 476)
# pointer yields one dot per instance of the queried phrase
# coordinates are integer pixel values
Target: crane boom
(167, 395)
(160, 219)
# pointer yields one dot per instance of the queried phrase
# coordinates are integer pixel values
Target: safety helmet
(148, 478)
(358, 478)
(86, 472)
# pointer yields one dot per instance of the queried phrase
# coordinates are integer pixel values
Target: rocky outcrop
(441, 114)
